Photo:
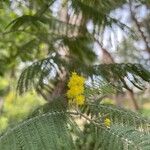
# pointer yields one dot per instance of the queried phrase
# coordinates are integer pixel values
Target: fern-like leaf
(122, 116)
(116, 138)
(47, 131)
(39, 70)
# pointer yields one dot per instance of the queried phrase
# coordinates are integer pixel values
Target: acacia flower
(80, 99)
(107, 122)
(75, 93)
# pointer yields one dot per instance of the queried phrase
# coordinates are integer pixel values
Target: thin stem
(139, 27)
(85, 117)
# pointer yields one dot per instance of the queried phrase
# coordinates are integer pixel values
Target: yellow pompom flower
(75, 93)
(107, 122)
(80, 99)
(76, 80)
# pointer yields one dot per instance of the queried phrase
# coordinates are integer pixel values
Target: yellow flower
(80, 99)
(76, 80)
(76, 89)
(107, 122)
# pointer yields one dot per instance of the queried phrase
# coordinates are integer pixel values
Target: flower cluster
(75, 93)
(107, 122)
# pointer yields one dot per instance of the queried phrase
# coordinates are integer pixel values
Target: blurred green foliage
(14, 107)
(17, 108)
(31, 33)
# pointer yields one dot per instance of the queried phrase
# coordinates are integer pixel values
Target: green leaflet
(44, 132)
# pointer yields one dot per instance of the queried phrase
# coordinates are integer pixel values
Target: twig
(85, 117)
(139, 27)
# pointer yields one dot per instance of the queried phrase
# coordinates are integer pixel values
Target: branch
(105, 52)
(85, 117)
(139, 27)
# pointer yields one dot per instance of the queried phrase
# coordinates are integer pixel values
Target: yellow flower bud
(107, 122)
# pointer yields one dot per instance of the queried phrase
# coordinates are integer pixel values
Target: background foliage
(42, 42)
